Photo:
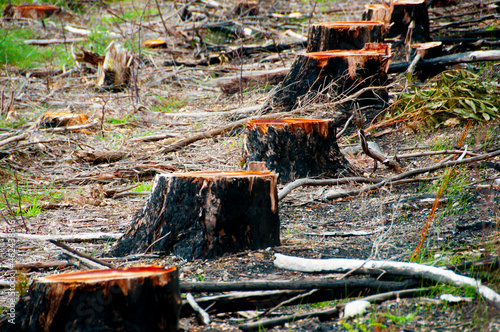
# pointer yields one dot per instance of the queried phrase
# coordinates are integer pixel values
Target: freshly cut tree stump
(377, 12)
(295, 148)
(428, 50)
(333, 73)
(125, 299)
(205, 215)
(343, 35)
(403, 13)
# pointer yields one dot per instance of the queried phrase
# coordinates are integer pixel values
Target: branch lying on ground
(81, 254)
(13, 139)
(393, 180)
(66, 237)
(219, 131)
(413, 270)
(323, 182)
(447, 60)
(212, 133)
(328, 313)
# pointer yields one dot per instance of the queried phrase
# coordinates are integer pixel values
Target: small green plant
(200, 277)
(123, 120)
(22, 282)
(141, 187)
(14, 196)
(169, 104)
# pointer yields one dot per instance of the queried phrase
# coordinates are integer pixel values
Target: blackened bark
(295, 148)
(205, 215)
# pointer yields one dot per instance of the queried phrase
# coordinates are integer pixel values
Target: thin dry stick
(446, 178)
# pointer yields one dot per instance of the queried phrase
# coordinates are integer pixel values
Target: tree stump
(334, 74)
(343, 35)
(403, 13)
(205, 215)
(428, 50)
(377, 12)
(295, 148)
(124, 299)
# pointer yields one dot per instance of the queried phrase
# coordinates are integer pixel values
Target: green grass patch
(142, 186)
(12, 196)
(13, 50)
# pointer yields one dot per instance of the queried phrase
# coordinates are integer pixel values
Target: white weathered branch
(414, 270)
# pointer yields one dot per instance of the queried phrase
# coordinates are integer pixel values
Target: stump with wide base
(125, 299)
(329, 36)
(205, 215)
(295, 148)
(335, 73)
(403, 13)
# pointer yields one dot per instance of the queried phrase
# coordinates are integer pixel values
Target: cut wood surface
(205, 215)
(341, 72)
(129, 299)
(329, 36)
(377, 12)
(295, 148)
(374, 267)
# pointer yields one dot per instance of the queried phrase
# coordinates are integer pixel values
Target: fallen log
(253, 285)
(205, 215)
(447, 60)
(268, 299)
(128, 299)
(374, 267)
(295, 148)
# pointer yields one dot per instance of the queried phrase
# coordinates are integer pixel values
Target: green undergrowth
(24, 199)
(450, 98)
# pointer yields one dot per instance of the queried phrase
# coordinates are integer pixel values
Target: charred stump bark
(124, 299)
(343, 35)
(295, 148)
(333, 74)
(205, 215)
(403, 13)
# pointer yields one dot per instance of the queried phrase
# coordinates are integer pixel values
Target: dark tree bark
(333, 73)
(205, 215)
(126, 299)
(343, 35)
(403, 13)
(295, 148)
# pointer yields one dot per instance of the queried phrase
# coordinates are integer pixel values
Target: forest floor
(96, 179)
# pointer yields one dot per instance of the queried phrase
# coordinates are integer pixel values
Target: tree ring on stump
(124, 299)
(200, 215)
(344, 35)
(295, 148)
